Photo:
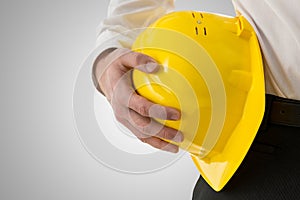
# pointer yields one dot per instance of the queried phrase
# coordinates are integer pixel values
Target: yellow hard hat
(211, 70)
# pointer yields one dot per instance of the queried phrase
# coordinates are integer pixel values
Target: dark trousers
(270, 170)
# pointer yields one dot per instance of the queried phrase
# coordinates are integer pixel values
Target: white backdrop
(43, 44)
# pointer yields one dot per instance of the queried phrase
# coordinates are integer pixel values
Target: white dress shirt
(277, 24)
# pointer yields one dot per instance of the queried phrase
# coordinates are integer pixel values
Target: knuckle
(142, 123)
(139, 58)
(143, 110)
(165, 133)
(119, 119)
(117, 110)
(120, 113)
(145, 128)
(137, 121)
(144, 140)
(161, 144)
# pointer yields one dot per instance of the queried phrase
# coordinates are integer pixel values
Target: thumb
(140, 62)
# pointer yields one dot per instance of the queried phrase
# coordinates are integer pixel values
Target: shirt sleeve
(125, 20)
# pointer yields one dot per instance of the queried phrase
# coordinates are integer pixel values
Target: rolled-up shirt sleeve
(125, 20)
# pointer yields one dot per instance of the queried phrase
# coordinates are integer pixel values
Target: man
(270, 169)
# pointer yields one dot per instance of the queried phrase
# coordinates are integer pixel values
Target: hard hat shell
(211, 70)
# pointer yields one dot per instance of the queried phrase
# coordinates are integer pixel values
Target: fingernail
(171, 148)
(151, 66)
(174, 149)
(175, 116)
(178, 137)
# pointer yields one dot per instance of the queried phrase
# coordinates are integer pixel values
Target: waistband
(281, 111)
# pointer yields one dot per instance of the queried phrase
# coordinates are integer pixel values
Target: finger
(147, 108)
(125, 95)
(153, 141)
(160, 144)
(151, 127)
(139, 61)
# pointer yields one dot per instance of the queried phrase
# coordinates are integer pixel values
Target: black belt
(282, 111)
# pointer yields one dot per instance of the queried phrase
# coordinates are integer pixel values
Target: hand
(112, 71)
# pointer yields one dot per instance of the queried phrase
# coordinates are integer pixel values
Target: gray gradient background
(42, 46)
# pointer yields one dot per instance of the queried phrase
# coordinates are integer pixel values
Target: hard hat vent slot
(201, 15)
(193, 15)
(204, 31)
(196, 29)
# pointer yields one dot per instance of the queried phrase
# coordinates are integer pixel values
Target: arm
(124, 22)
(111, 71)
(126, 15)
